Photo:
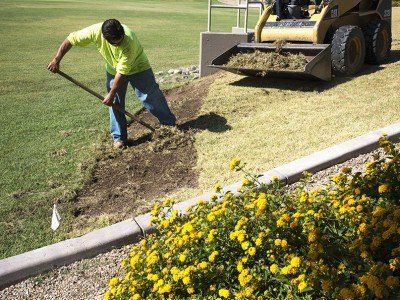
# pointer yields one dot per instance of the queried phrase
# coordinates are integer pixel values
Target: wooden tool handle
(97, 95)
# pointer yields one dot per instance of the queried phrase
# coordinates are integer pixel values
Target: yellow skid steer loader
(334, 35)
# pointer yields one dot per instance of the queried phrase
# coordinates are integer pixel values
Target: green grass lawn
(49, 126)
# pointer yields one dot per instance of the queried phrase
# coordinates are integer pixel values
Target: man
(126, 63)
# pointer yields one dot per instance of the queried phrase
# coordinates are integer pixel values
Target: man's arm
(54, 65)
(109, 98)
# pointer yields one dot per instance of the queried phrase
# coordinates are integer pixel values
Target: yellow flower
(235, 162)
(224, 293)
(278, 242)
(182, 257)
(211, 217)
(202, 265)
(245, 245)
(301, 277)
(241, 236)
(274, 268)
(383, 188)
(312, 236)
(362, 227)
(274, 178)
(107, 295)
(136, 297)
(168, 202)
(286, 270)
(190, 290)
(165, 223)
(186, 280)
(212, 256)
(284, 243)
(252, 251)
(295, 262)
(302, 285)
(113, 282)
(244, 277)
(165, 289)
(280, 223)
(246, 182)
(217, 187)
(239, 267)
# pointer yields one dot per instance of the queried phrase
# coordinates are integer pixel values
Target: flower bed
(339, 241)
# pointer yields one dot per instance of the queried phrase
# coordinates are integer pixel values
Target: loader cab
(295, 9)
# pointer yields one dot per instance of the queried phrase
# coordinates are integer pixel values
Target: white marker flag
(55, 219)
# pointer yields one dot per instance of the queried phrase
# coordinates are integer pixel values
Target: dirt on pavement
(127, 182)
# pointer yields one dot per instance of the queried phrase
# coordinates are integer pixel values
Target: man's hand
(109, 99)
(54, 66)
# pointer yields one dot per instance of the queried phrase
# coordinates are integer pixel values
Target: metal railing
(241, 5)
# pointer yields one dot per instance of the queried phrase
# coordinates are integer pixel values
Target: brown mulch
(127, 183)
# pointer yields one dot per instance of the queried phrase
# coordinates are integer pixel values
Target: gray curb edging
(17, 268)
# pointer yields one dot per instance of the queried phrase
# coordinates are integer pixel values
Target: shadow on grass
(309, 85)
(211, 122)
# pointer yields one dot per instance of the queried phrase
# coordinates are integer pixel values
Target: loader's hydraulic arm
(261, 23)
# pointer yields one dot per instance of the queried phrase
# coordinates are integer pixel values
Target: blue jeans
(148, 92)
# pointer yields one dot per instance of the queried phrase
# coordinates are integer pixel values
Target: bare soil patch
(127, 182)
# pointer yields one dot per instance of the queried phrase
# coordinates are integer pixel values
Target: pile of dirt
(167, 138)
(268, 61)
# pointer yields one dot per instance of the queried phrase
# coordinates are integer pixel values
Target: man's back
(126, 58)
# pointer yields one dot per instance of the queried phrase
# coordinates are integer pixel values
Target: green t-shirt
(126, 58)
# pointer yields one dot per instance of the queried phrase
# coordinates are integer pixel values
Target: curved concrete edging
(17, 268)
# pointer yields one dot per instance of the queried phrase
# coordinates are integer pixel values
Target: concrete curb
(20, 267)
(17, 268)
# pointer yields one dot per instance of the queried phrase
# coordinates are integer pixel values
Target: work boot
(119, 144)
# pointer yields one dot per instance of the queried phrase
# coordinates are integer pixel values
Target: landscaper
(126, 63)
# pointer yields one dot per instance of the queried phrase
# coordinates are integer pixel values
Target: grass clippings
(279, 44)
(268, 61)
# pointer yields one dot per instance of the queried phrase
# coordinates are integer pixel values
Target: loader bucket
(317, 55)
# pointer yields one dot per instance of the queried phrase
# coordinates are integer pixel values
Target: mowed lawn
(275, 121)
(48, 126)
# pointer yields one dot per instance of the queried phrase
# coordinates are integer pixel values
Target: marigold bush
(341, 241)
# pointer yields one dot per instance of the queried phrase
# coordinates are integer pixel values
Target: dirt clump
(268, 61)
(167, 138)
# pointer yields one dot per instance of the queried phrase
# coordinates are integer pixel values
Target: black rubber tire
(378, 40)
(348, 50)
